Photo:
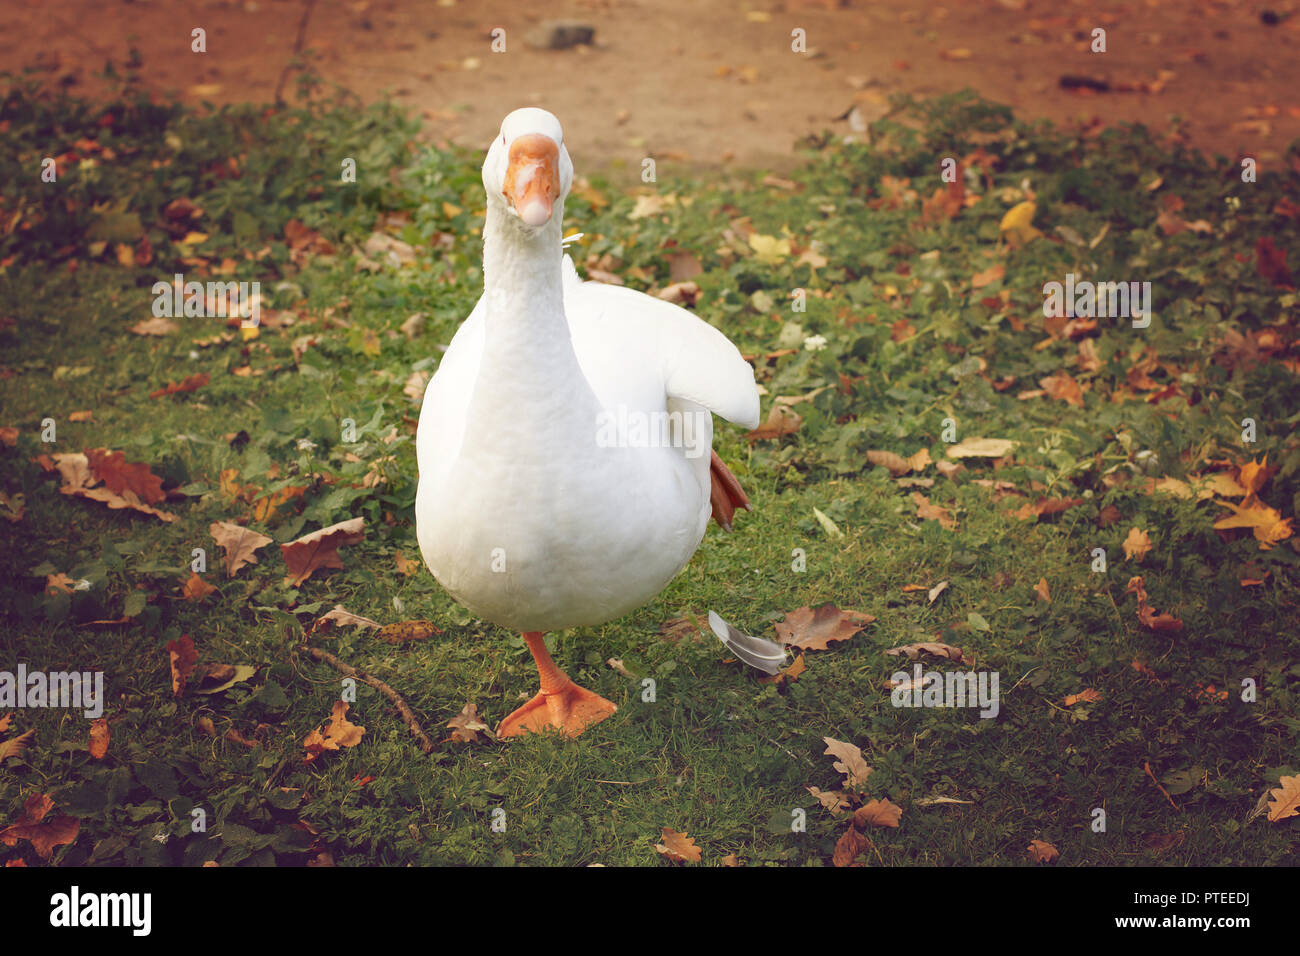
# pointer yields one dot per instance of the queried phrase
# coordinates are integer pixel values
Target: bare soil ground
(704, 82)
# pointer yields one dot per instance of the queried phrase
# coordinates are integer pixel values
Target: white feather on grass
(766, 656)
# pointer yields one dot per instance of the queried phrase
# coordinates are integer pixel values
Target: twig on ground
(414, 725)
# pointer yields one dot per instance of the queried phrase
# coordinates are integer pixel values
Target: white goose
(564, 445)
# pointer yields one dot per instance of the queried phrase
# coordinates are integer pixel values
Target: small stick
(414, 725)
(1147, 767)
(307, 7)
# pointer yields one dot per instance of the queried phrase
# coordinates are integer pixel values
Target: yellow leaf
(1267, 523)
(769, 249)
(1017, 225)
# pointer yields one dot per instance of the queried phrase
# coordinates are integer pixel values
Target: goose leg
(561, 704)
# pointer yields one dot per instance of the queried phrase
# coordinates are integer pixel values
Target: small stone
(560, 34)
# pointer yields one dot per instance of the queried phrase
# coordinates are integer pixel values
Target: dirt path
(705, 82)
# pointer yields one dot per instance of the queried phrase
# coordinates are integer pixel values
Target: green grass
(717, 755)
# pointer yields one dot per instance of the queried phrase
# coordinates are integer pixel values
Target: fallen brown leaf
(319, 549)
(811, 630)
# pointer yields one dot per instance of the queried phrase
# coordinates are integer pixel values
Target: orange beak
(533, 177)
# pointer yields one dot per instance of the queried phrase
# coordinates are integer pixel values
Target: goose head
(528, 170)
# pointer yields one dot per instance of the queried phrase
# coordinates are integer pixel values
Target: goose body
(564, 444)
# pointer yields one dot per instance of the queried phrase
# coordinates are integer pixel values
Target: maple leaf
(44, 837)
(930, 647)
(99, 738)
(239, 543)
(1267, 523)
(1253, 474)
(788, 674)
(833, 800)
(849, 847)
(678, 847)
(196, 589)
(850, 762)
(1137, 544)
(14, 747)
(466, 726)
(877, 813)
(1284, 800)
(319, 549)
(1063, 386)
(339, 733)
(182, 657)
(1087, 696)
(1042, 852)
(811, 630)
(120, 476)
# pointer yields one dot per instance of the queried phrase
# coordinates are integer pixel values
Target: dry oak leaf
(731, 860)
(127, 499)
(405, 566)
(1137, 544)
(678, 847)
(832, 800)
(1285, 800)
(1033, 510)
(193, 383)
(1063, 386)
(933, 512)
(196, 589)
(781, 420)
(811, 630)
(339, 733)
(1087, 696)
(849, 847)
(404, 631)
(44, 837)
(182, 656)
(155, 326)
(99, 738)
(344, 618)
(1042, 852)
(877, 813)
(1146, 613)
(15, 746)
(980, 448)
(466, 726)
(319, 549)
(936, 648)
(1043, 591)
(238, 542)
(850, 762)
